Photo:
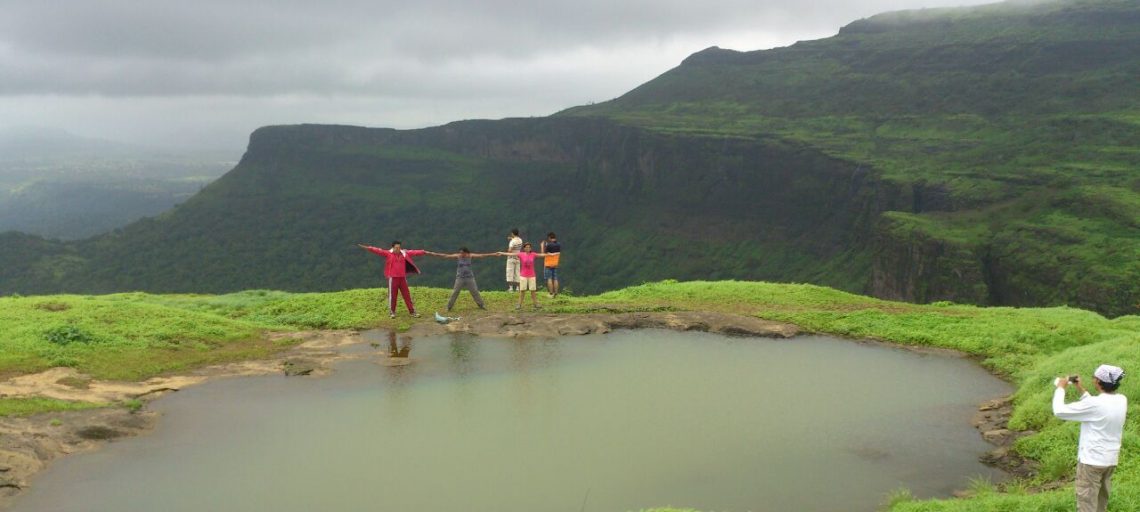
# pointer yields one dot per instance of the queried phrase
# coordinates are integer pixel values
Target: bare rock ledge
(549, 326)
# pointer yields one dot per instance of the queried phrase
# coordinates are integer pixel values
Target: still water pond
(617, 422)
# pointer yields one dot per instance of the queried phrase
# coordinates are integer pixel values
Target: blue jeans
(551, 273)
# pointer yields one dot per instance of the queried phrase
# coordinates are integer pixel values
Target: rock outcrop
(550, 326)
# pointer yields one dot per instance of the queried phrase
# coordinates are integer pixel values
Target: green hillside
(1016, 126)
(984, 155)
(290, 215)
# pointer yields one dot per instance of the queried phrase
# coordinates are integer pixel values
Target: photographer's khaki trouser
(1092, 487)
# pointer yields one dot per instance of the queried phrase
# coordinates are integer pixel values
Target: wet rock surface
(297, 367)
(549, 326)
(98, 433)
(28, 445)
(992, 420)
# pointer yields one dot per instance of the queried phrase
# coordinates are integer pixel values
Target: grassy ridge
(135, 336)
(1016, 123)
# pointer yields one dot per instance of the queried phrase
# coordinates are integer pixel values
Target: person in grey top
(464, 275)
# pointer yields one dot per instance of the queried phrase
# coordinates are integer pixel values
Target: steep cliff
(629, 204)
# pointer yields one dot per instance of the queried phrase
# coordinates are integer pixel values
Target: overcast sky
(208, 72)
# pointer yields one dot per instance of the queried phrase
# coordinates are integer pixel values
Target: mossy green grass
(29, 406)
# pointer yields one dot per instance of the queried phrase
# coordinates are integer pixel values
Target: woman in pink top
(527, 278)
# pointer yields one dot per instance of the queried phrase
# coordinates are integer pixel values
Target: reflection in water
(463, 351)
(534, 389)
(402, 349)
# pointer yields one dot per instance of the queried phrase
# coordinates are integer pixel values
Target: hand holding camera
(1063, 382)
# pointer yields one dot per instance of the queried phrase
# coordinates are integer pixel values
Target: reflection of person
(395, 350)
(464, 275)
(527, 279)
(396, 268)
(552, 249)
(1102, 426)
(514, 244)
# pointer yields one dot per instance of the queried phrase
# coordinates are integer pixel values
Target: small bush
(981, 485)
(64, 362)
(133, 405)
(54, 307)
(64, 335)
(897, 496)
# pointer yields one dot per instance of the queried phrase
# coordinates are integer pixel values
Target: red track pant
(401, 284)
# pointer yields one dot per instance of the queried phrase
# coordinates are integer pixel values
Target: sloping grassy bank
(136, 336)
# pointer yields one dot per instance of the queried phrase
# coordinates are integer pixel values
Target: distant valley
(58, 185)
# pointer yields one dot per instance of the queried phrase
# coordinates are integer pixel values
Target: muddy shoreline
(28, 445)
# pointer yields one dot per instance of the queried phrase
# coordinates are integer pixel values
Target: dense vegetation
(135, 336)
(983, 155)
(1016, 124)
(290, 215)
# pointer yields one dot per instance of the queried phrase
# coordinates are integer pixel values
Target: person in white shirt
(514, 244)
(1102, 426)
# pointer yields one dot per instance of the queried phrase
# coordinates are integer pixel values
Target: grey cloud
(247, 48)
(215, 69)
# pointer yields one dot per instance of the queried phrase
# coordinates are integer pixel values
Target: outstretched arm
(441, 255)
(376, 250)
(485, 254)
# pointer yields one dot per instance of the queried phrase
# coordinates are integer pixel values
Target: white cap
(1108, 373)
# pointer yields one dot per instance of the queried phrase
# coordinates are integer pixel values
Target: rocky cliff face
(707, 191)
(911, 265)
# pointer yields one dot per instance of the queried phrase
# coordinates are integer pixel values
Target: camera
(1073, 379)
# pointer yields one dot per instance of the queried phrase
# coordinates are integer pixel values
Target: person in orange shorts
(552, 249)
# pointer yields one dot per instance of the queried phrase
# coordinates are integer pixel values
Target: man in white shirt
(514, 244)
(1102, 426)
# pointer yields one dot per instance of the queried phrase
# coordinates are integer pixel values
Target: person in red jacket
(397, 267)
